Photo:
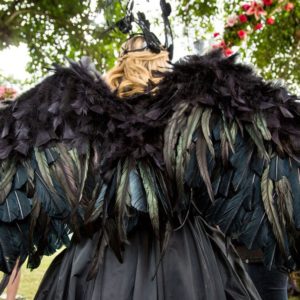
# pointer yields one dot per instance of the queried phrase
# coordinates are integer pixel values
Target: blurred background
(35, 34)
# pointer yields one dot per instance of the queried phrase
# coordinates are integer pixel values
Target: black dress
(196, 265)
(135, 182)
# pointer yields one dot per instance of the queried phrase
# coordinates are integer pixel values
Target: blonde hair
(135, 70)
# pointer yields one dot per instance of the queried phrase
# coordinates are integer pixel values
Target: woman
(131, 170)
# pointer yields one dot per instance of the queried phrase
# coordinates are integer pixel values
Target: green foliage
(198, 12)
(54, 29)
(274, 50)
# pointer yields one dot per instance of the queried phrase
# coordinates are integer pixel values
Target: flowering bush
(7, 93)
(250, 17)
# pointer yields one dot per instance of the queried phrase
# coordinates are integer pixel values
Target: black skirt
(197, 264)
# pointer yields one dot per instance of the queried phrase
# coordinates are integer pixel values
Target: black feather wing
(241, 152)
(49, 141)
(75, 159)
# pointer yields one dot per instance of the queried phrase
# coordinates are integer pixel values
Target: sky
(13, 61)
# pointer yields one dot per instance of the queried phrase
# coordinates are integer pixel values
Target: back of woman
(183, 261)
(133, 165)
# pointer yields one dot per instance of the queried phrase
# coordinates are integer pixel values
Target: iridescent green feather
(205, 125)
(83, 173)
(258, 140)
(227, 133)
(267, 190)
(122, 197)
(43, 166)
(67, 172)
(261, 124)
(179, 167)
(233, 131)
(191, 125)
(152, 200)
(171, 136)
(7, 172)
(285, 202)
(201, 151)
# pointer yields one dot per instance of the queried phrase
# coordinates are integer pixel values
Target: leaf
(270, 208)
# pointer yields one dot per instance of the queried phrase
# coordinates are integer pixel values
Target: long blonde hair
(135, 70)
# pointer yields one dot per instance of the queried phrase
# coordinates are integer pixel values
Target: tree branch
(15, 14)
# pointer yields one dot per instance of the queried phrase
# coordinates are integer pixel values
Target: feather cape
(214, 140)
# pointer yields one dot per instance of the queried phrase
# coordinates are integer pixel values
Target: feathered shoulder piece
(47, 136)
(234, 140)
(63, 107)
(235, 89)
(213, 139)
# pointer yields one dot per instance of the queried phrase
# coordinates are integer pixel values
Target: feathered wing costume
(135, 180)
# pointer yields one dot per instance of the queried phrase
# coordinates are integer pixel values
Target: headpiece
(152, 41)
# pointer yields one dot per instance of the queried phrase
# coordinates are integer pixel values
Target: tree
(53, 29)
(265, 31)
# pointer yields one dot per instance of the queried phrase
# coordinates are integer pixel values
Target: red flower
(222, 44)
(242, 34)
(271, 21)
(231, 21)
(228, 52)
(216, 34)
(2, 91)
(7, 93)
(268, 2)
(246, 6)
(289, 6)
(258, 26)
(243, 18)
(256, 10)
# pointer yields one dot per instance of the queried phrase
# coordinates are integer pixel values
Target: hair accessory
(152, 41)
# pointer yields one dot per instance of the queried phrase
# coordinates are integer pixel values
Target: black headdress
(152, 41)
